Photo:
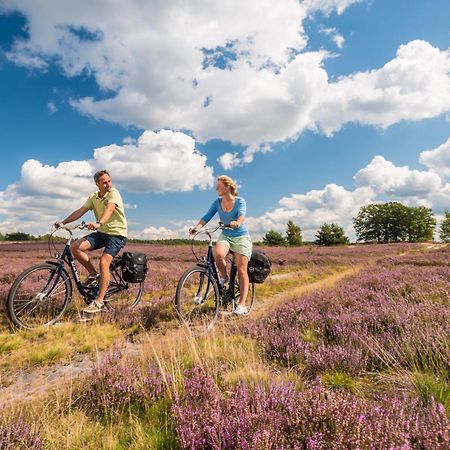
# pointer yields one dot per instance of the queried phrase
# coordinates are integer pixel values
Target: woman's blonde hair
(229, 182)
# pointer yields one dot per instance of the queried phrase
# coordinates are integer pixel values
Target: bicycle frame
(66, 257)
(226, 295)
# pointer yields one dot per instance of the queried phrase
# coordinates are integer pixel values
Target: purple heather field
(368, 361)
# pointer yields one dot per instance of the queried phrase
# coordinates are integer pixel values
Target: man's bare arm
(75, 215)
(110, 207)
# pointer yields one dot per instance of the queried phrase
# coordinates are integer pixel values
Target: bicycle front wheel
(39, 296)
(197, 300)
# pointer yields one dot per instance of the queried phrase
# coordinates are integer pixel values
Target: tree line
(381, 223)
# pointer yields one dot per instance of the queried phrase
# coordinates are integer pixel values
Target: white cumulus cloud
(166, 161)
(157, 233)
(438, 159)
(327, 6)
(242, 77)
(414, 85)
(379, 181)
(386, 178)
(332, 204)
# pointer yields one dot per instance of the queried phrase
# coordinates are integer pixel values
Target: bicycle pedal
(84, 319)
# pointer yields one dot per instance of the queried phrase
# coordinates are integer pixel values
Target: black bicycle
(200, 296)
(41, 294)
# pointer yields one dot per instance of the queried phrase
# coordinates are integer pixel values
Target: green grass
(76, 429)
(290, 280)
(431, 385)
(9, 342)
(338, 380)
(46, 346)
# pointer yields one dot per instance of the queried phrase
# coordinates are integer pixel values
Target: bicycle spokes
(197, 300)
(39, 296)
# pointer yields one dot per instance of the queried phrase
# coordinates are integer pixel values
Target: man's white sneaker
(223, 281)
(240, 310)
(94, 307)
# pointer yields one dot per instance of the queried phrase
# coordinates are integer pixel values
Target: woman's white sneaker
(240, 310)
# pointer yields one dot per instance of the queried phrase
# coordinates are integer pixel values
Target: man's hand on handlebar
(93, 226)
(62, 225)
(192, 231)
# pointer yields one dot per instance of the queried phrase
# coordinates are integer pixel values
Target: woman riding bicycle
(231, 210)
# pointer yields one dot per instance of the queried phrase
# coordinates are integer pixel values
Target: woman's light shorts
(239, 244)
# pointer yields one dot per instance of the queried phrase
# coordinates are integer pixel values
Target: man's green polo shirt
(117, 223)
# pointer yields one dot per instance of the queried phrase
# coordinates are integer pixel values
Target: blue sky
(315, 107)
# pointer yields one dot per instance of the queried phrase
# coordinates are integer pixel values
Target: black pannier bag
(134, 267)
(258, 267)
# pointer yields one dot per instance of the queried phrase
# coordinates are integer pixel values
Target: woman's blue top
(239, 209)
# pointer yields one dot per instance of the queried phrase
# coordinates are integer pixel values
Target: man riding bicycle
(110, 232)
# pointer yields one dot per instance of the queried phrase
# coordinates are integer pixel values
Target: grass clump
(338, 380)
(430, 386)
(9, 342)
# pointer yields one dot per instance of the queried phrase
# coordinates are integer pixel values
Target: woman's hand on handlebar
(232, 224)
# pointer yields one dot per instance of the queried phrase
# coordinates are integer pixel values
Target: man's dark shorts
(113, 244)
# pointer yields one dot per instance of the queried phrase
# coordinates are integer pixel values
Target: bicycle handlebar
(210, 230)
(80, 226)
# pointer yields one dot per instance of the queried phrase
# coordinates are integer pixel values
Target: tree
(444, 232)
(394, 222)
(421, 224)
(331, 234)
(273, 238)
(368, 224)
(293, 234)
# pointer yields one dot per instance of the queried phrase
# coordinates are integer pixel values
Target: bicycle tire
(121, 294)
(28, 307)
(250, 297)
(197, 301)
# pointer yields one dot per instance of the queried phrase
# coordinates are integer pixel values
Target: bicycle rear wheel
(250, 297)
(37, 297)
(121, 294)
(197, 300)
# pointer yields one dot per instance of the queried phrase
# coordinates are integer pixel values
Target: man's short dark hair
(98, 174)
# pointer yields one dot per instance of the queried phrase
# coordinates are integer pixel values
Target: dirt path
(263, 306)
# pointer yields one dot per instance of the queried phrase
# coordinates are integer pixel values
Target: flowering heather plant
(18, 435)
(277, 415)
(308, 255)
(145, 316)
(397, 316)
(117, 383)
